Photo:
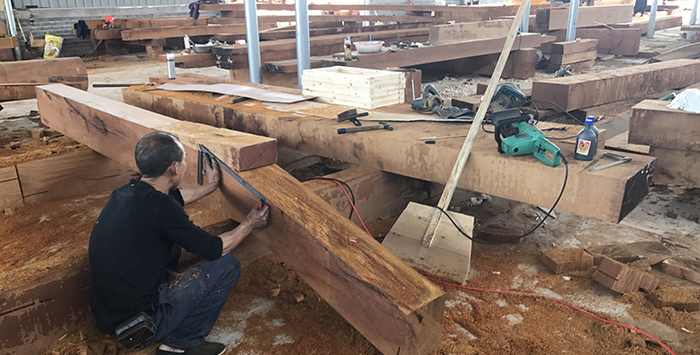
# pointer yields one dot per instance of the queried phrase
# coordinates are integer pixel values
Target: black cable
(352, 195)
(566, 177)
(560, 108)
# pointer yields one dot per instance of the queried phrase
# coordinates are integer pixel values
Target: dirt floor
(264, 316)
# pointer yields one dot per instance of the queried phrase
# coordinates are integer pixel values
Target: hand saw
(202, 151)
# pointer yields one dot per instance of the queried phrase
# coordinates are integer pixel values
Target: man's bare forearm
(234, 237)
(195, 193)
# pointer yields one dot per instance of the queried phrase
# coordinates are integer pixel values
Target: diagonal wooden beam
(393, 306)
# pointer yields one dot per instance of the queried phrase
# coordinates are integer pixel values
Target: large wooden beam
(393, 306)
(459, 32)
(654, 124)
(401, 152)
(592, 89)
(433, 54)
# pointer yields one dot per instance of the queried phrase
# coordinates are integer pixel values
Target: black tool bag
(136, 331)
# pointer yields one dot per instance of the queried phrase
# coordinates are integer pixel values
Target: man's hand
(213, 174)
(257, 218)
(211, 171)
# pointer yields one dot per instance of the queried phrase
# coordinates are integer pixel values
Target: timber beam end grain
(392, 305)
(622, 278)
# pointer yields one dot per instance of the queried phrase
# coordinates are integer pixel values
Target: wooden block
(653, 251)
(577, 46)
(392, 305)
(682, 268)
(70, 175)
(563, 59)
(8, 42)
(460, 32)
(154, 51)
(592, 89)
(470, 102)
(616, 251)
(563, 260)
(574, 68)
(10, 192)
(676, 167)
(622, 278)
(674, 297)
(618, 41)
(195, 60)
(450, 254)
(654, 124)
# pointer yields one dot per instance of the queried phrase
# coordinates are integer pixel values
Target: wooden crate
(356, 87)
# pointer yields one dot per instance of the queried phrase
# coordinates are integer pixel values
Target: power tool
(522, 137)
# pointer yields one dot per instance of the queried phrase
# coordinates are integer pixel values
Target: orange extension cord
(560, 302)
(353, 207)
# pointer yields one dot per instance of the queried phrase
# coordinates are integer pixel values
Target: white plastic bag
(688, 100)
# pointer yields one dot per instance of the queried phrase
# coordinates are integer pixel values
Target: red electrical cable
(560, 302)
(353, 207)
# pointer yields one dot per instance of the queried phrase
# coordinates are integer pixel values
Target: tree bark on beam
(393, 306)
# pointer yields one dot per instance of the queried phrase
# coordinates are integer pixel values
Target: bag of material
(688, 100)
(52, 47)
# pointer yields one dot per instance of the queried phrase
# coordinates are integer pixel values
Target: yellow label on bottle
(583, 147)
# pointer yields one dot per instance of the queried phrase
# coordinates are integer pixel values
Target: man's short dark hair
(155, 152)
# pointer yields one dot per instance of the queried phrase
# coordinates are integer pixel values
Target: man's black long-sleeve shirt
(136, 238)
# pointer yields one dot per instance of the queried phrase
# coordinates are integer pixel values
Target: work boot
(206, 348)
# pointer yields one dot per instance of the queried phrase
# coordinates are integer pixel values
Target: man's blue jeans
(190, 301)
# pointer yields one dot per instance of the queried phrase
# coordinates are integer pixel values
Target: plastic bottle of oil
(587, 141)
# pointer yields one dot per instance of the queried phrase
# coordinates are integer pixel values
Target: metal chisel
(202, 151)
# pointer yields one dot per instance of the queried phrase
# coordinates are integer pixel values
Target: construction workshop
(349, 177)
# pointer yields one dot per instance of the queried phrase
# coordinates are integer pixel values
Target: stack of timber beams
(398, 151)
(593, 89)
(445, 14)
(672, 135)
(609, 24)
(578, 55)
(392, 305)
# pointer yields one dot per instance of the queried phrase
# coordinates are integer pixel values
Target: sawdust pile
(15, 153)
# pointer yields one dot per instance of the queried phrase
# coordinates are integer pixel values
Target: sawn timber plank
(392, 305)
(401, 152)
(592, 89)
